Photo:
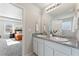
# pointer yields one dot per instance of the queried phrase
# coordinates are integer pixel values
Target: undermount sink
(59, 39)
(55, 38)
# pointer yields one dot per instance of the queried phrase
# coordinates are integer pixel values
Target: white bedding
(9, 47)
(11, 42)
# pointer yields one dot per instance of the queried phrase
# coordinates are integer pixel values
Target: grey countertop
(71, 41)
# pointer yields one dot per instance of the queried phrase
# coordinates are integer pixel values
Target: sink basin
(42, 35)
(59, 39)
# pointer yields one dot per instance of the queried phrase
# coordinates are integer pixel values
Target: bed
(10, 47)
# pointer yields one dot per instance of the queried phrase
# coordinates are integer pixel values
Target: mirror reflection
(63, 21)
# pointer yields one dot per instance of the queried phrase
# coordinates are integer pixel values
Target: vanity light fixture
(52, 6)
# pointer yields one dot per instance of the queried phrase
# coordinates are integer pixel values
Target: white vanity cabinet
(47, 48)
(58, 53)
(62, 50)
(35, 45)
(40, 47)
(56, 49)
(75, 52)
(48, 51)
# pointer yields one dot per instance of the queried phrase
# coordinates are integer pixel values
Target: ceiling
(41, 5)
(64, 8)
(20, 5)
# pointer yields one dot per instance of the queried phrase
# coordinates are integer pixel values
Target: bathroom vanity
(55, 46)
(63, 25)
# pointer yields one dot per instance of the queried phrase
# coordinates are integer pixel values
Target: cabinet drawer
(59, 53)
(40, 47)
(35, 45)
(63, 48)
(49, 44)
(75, 52)
(48, 51)
(40, 40)
(60, 47)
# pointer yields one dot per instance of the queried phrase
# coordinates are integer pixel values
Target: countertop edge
(48, 39)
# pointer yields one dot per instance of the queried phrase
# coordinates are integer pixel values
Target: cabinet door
(35, 43)
(63, 49)
(48, 51)
(59, 53)
(75, 52)
(40, 47)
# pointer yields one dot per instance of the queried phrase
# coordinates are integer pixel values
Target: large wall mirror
(63, 21)
(62, 26)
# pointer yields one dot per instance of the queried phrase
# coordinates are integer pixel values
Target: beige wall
(45, 21)
(31, 15)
